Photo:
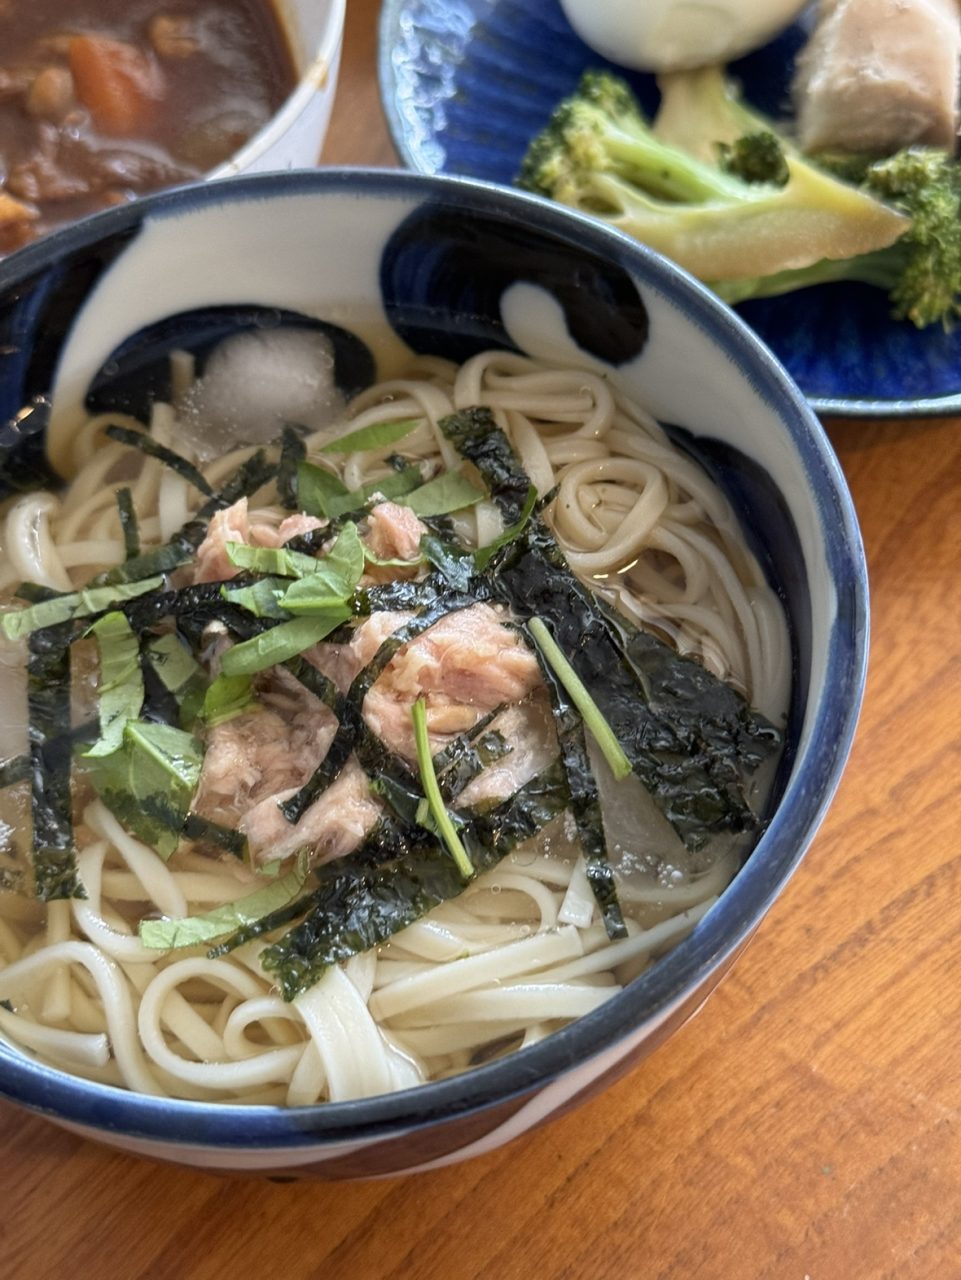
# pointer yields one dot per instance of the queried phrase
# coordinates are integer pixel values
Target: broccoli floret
(598, 153)
(600, 133)
(756, 157)
(926, 185)
(921, 271)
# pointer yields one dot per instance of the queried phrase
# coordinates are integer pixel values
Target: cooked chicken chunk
(878, 75)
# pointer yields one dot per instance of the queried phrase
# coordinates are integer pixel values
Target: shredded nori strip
(18, 768)
(352, 729)
(312, 542)
(691, 738)
(197, 827)
(394, 878)
(194, 608)
(475, 757)
(246, 480)
(35, 593)
(292, 452)
(48, 702)
(128, 524)
(452, 563)
(250, 476)
(476, 436)
(404, 595)
(585, 800)
(169, 457)
(459, 747)
(15, 770)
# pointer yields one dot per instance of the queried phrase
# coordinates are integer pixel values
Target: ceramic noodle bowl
(381, 265)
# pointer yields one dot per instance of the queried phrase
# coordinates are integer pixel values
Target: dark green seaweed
(48, 701)
(169, 457)
(399, 595)
(453, 564)
(393, 879)
(292, 452)
(691, 739)
(194, 608)
(35, 593)
(585, 801)
(691, 761)
(246, 480)
(205, 830)
(476, 436)
(128, 524)
(250, 476)
(14, 770)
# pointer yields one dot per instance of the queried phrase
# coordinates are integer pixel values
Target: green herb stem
(445, 827)
(602, 732)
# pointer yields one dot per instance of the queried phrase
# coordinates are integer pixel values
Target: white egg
(668, 35)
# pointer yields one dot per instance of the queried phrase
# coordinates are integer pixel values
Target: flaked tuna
(334, 824)
(465, 665)
(394, 532)
(265, 751)
(233, 525)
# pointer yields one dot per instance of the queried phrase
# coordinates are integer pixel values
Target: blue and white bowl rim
(815, 774)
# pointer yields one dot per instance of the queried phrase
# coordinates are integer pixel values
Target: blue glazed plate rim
(827, 406)
(729, 924)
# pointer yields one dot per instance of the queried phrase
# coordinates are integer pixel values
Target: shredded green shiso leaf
(191, 931)
(121, 681)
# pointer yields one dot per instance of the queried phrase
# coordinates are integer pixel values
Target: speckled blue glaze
(344, 247)
(467, 83)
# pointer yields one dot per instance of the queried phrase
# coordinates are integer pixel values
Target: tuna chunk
(257, 760)
(464, 666)
(878, 75)
(261, 753)
(394, 532)
(333, 825)
(233, 525)
(342, 662)
(229, 525)
(292, 527)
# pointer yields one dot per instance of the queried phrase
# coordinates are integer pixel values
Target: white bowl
(292, 138)
(448, 267)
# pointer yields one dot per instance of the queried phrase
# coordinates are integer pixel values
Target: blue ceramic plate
(466, 84)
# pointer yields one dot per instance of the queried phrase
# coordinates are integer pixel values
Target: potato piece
(51, 95)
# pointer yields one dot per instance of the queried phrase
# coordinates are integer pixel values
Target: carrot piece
(119, 84)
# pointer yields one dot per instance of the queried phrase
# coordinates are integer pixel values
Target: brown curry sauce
(104, 100)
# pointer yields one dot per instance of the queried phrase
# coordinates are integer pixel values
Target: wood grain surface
(805, 1126)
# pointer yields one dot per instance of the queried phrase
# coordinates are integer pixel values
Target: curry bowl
(385, 268)
(104, 103)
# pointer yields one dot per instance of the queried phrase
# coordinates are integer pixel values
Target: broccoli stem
(880, 269)
(665, 171)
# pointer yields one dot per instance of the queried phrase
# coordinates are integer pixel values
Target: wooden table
(806, 1124)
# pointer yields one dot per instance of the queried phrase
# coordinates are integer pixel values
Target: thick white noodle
(522, 951)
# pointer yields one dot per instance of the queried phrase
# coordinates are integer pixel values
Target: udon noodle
(521, 951)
